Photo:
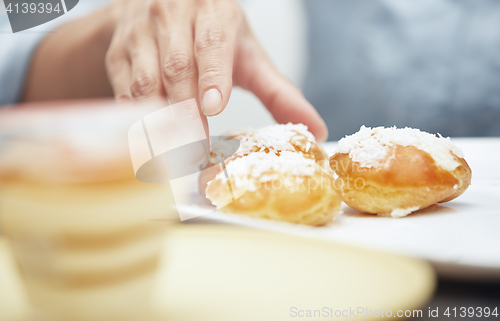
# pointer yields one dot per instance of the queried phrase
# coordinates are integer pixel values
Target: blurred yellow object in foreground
(85, 233)
(86, 250)
(215, 273)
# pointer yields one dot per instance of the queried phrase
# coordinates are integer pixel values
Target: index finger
(216, 28)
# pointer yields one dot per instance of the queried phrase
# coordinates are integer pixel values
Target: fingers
(146, 82)
(284, 100)
(132, 58)
(119, 73)
(173, 25)
(216, 28)
(134, 72)
(178, 52)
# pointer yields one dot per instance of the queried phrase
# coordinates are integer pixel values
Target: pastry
(393, 172)
(279, 172)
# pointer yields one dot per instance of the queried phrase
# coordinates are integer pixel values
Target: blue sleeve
(15, 54)
(16, 49)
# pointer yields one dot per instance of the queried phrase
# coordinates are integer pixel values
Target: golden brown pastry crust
(311, 200)
(408, 178)
(298, 204)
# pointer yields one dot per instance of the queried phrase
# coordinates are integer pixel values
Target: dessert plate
(460, 238)
(230, 273)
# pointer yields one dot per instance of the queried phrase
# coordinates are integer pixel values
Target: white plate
(461, 238)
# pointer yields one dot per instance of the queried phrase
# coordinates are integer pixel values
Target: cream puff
(394, 172)
(279, 172)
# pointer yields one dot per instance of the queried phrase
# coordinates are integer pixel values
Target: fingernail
(123, 100)
(212, 102)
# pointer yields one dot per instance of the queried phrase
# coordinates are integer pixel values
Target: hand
(197, 49)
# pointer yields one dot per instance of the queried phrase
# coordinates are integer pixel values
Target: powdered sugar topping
(370, 146)
(272, 138)
(266, 152)
(263, 167)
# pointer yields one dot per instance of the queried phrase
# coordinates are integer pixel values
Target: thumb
(255, 72)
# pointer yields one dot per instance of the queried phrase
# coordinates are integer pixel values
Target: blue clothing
(429, 64)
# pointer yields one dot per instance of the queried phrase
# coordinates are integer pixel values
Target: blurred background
(430, 64)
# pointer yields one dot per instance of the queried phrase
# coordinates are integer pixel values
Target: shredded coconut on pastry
(370, 146)
(402, 212)
(267, 151)
(282, 167)
(274, 138)
(256, 166)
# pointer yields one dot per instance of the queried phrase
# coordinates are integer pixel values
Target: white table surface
(461, 238)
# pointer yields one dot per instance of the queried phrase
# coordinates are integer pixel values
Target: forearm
(69, 63)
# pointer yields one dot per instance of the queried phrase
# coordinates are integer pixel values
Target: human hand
(198, 49)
